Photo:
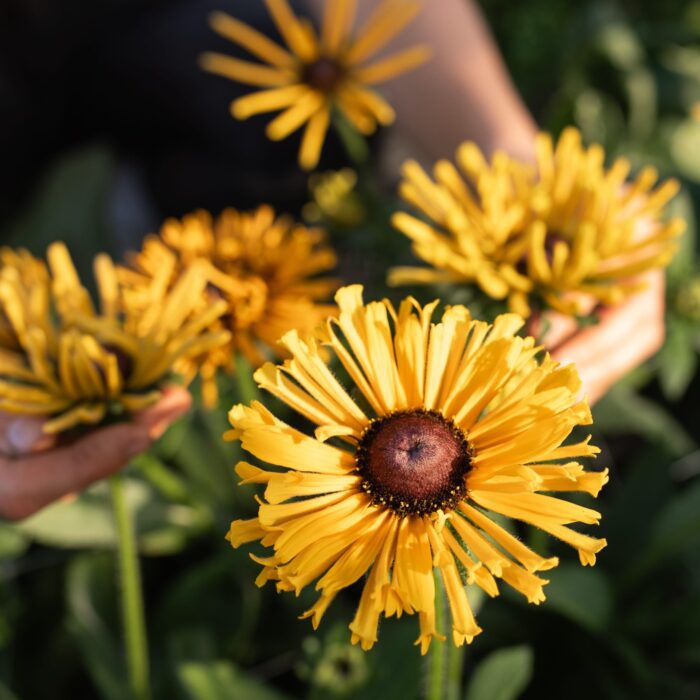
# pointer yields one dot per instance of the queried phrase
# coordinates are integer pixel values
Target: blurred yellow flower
(519, 232)
(444, 423)
(31, 279)
(76, 364)
(264, 267)
(334, 198)
(315, 73)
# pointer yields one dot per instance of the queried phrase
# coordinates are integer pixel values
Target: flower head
(264, 267)
(446, 423)
(568, 225)
(62, 357)
(314, 73)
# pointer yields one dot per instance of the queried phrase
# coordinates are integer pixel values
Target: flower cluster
(445, 424)
(61, 357)
(263, 267)
(519, 232)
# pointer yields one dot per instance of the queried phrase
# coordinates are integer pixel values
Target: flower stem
(455, 665)
(135, 644)
(354, 142)
(247, 388)
(436, 659)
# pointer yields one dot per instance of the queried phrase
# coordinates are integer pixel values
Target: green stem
(354, 142)
(247, 388)
(455, 666)
(437, 665)
(135, 644)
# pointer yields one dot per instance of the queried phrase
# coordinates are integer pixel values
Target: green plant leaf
(12, 541)
(624, 411)
(221, 680)
(677, 360)
(502, 675)
(582, 594)
(87, 578)
(68, 205)
(675, 529)
(88, 521)
(6, 693)
(685, 149)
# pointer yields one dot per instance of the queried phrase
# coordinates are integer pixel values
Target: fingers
(560, 327)
(30, 483)
(174, 403)
(626, 336)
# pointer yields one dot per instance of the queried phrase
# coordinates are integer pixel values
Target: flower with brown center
(314, 74)
(447, 422)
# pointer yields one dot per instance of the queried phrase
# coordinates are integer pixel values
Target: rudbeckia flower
(77, 364)
(564, 230)
(264, 267)
(315, 73)
(444, 424)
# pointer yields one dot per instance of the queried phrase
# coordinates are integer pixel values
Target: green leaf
(681, 266)
(676, 529)
(88, 521)
(677, 360)
(582, 594)
(12, 541)
(624, 411)
(87, 578)
(502, 675)
(6, 693)
(391, 678)
(685, 149)
(221, 680)
(68, 205)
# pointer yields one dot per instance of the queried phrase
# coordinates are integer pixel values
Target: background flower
(314, 73)
(77, 364)
(263, 266)
(521, 232)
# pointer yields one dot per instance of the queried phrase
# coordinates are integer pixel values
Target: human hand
(35, 472)
(625, 336)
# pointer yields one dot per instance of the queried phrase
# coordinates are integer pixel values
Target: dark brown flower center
(125, 362)
(414, 462)
(323, 74)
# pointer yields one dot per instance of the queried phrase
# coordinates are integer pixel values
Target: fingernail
(23, 434)
(157, 429)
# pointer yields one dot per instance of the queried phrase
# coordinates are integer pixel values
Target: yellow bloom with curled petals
(564, 230)
(76, 363)
(263, 266)
(445, 424)
(316, 72)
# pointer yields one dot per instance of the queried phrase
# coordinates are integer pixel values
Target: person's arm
(463, 92)
(34, 472)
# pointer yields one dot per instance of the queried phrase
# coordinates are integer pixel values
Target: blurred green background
(628, 75)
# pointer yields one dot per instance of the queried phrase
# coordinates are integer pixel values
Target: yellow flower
(315, 73)
(263, 266)
(31, 278)
(77, 364)
(518, 232)
(445, 423)
(334, 198)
